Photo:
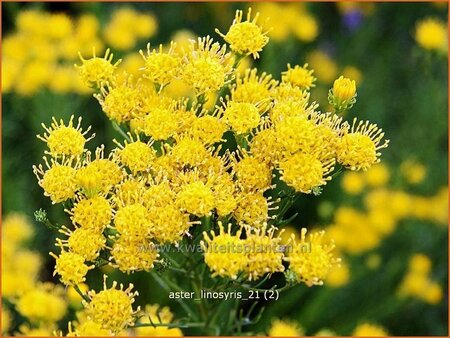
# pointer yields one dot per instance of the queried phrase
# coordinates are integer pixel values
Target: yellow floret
(93, 213)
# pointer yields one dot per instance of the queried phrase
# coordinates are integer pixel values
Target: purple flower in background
(352, 19)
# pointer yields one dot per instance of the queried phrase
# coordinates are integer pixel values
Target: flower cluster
(41, 52)
(184, 172)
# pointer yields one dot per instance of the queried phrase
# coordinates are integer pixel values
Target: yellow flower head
(88, 328)
(44, 303)
(358, 149)
(196, 198)
(264, 252)
(304, 171)
(344, 89)
(378, 175)
(99, 175)
(92, 213)
(353, 182)
(206, 65)
(431, 34)
(160, 123)
(120, 102)
(242, 117)
(135, 154)
(369, 330)
(207, 129)
(324, 67)
(296, 133)
(420, 264)
(160, 67)
(168, 223)
(310, 259)
(85, 242)
(65, 140)
(59, 180)
(299, 76)
(245, 37)
(189, 152)
(251, 88)
(414, 172)
(252, 173)
(282, 328)
(252, 209)
(305, 27)
(70, 266)
(133, 255)
(224, 252)
(16, 228)
(265, 146)
(112, 308)
(97, 71)
(133, 221)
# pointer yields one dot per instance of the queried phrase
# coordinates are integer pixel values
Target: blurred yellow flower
(369, 330)
(282, 328)
(431, 34)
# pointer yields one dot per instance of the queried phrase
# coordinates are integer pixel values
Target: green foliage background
(404, 90)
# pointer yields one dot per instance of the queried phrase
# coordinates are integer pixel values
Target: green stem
(121, 132)
(77, 289)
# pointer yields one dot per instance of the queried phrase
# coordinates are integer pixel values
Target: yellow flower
(299, 76)
(196, 198)
(160, 124)
(245, 37)
(16, 228)
(207, 129)
(5, 320)
(71, 267)
(310, 259)
(136, 155)
(133, 255)
(120, 102)
(264, 253)
(206, 65)
(282, 328)
(369, 330)
(414, 172)
(304, 172)
(252, 209)
(160, 67)
(65, 140)
(305, 27)
(378, 175)
(344, 91)
(224, 252)
(58, 181)
(431, 34)
(252, 174)
(420, 263)
(265, 146)
(241, 116)
(296, 133)
(88, 328)
(44, 303)
(85, 242)
(324, 67)
(99, 175)
(96, 71)
(189, 152)
(251, 88)
(353, 182)
(338, 276)
(92, 213)
(358, 149)
(133, 221)
(112, 308)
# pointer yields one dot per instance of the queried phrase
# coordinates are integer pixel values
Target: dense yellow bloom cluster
(191, 167)
(155, 314)
(417, 282)
(432, 34)
(41, 52)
